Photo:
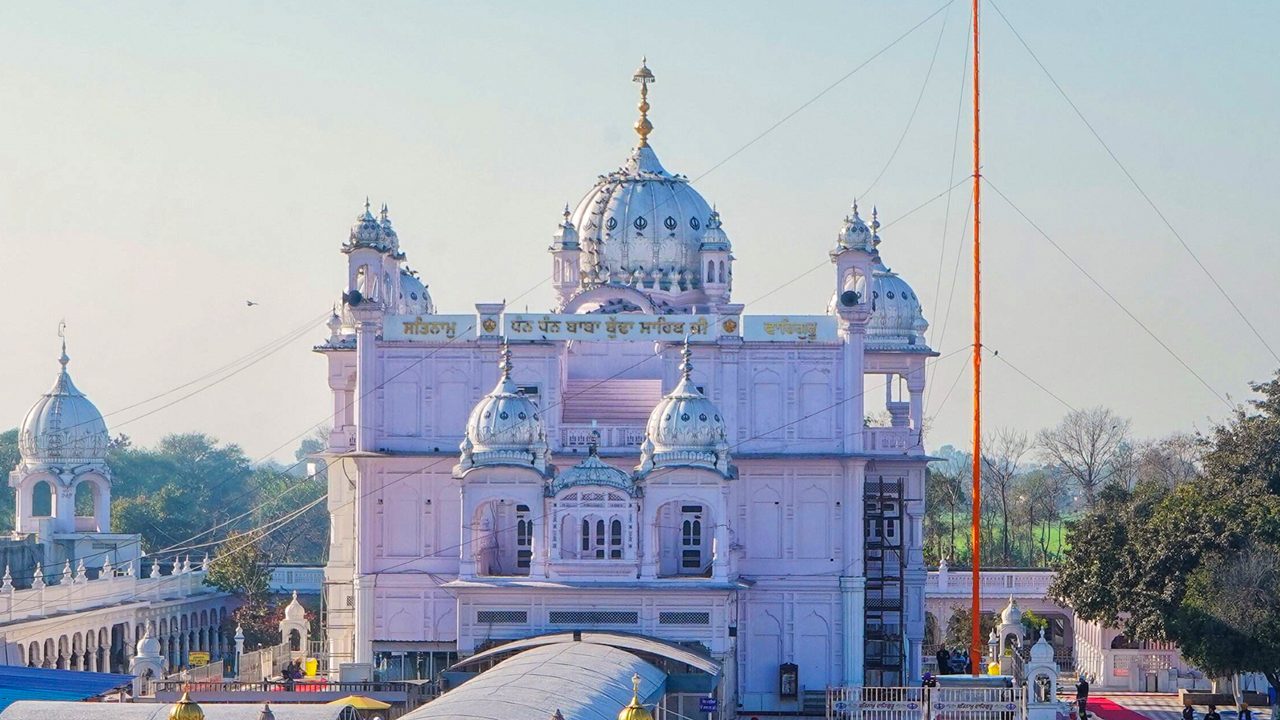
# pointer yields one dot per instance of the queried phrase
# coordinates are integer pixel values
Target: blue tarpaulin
(28, 683)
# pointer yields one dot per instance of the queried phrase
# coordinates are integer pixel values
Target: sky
(164, 163)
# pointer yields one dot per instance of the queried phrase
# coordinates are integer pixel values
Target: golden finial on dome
(186, 709)
(634, 710)
(644, 76)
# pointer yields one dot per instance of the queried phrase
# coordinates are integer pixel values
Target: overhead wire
(1110, 296)
(914, 109)
(1134, 181)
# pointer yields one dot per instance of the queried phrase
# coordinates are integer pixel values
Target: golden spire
(644, 76)
(634, 710)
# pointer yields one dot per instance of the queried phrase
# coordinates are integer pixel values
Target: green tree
(9, 458)
(240, 568)
(1192, 563)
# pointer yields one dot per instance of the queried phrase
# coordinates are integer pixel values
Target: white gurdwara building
(645, 464)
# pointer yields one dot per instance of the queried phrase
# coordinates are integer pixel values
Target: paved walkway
(1154, 707)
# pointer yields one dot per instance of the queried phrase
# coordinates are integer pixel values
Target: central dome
(641, 218)
(644, 227)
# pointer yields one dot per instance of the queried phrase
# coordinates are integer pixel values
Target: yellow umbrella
(360, 702)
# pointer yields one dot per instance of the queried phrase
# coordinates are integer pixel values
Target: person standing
(944, 661)
(1082, 697)
(1245, 713)
(1188, 713)
(1213, 713)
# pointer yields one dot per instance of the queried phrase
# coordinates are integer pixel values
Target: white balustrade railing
(300, 578)
(608, 436)
(62, 594)
(1019, 583)
(897, 440)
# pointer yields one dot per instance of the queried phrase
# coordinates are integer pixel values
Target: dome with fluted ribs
(505, 428)
(897, 317)
(685, 428)
(641, 220)
(63, 426)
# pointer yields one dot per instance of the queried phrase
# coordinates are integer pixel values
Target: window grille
(682, 617)
(594, 617)
(487, 617)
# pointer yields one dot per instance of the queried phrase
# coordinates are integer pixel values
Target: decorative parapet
(44, 600)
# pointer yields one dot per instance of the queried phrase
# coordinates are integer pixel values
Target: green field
(1052, 537)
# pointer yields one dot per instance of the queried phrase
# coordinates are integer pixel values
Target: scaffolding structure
(886, 563)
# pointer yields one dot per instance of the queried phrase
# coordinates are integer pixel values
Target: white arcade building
(646, 462)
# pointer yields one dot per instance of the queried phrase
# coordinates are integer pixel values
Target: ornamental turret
(63, 444)
(504, 428)
(373, 261)
(854, 258)
(567, 254)
(685, 429)
(716, 261)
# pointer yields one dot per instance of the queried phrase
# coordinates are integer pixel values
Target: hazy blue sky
(164, 162)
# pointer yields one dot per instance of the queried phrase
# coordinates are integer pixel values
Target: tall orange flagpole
(975, 650)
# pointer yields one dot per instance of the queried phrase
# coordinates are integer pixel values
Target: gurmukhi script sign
(789, 328)
(528, 326)
(429, 328)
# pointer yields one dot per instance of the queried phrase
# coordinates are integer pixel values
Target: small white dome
(897, 317)
(685, 428)
(366, 232)
(1042, 651)
(294, 610)
(414, 298)
(1012, 614)
(714, 237)
(855, 234)
(63, 426)
(504, 427)
(566, 237)
(148, 646)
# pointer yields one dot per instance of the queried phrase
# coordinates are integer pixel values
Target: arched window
(42, 499)
(86, 499)
(615, 539)
(691, 538)
(722, 272)
(524, 537)
(595, 543)
(295, 640)
(711, 271)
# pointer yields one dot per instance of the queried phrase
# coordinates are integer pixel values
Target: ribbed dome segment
(414, 298)
(504, 428)
(63, 426)
(373, 232)
(897, 318)
(685, 428)
(641, 219)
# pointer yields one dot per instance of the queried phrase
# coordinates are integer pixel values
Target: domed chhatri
(685, 429)
(634, 710)
(504, 428)
(366, 232)
(897, 319)
(63, 427)
(642, 226)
